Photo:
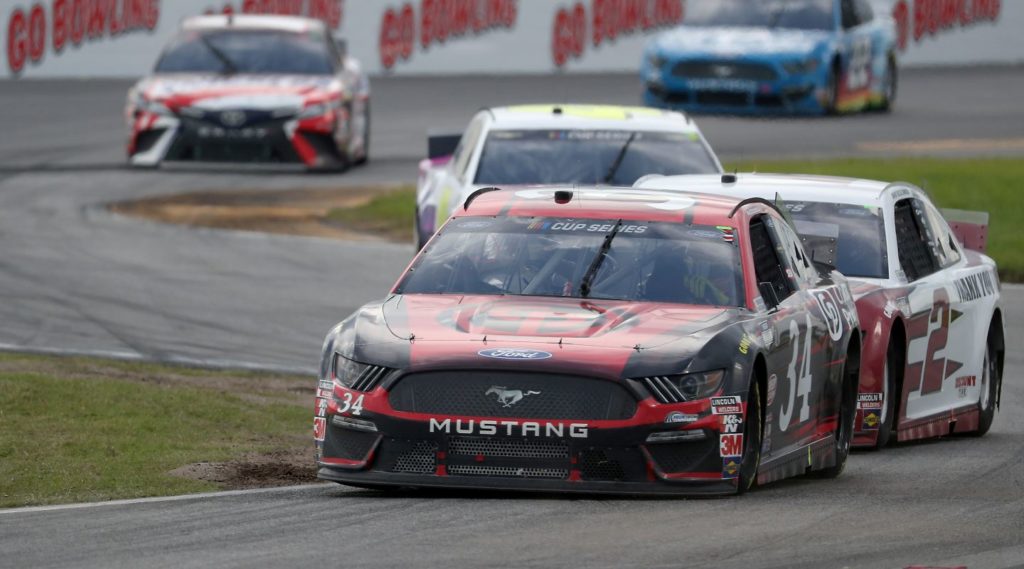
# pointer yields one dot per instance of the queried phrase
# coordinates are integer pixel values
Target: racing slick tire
(990, 383)
(890, 86)
(893, 363)
(847, 416)
(366, 137)
(752, 440)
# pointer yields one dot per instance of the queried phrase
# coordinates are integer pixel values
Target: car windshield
(852, 235)
(247, 51)
(532, 256)
(793, 14)
(588, 157)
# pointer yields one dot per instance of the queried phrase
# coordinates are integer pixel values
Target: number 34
(348, 404)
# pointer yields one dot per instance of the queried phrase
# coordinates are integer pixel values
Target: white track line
(159, 499)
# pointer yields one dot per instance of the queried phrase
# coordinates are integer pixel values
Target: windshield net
(588, 157)
(656, 262)
(247, 51)
(792, 14)
(857, 231)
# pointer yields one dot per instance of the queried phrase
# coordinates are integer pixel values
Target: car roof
(791, 187)
(295, 24)
(598, 117)
(609, 203)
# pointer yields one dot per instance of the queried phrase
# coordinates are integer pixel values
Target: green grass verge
(986, 184)
(390, 214)
(80, 429)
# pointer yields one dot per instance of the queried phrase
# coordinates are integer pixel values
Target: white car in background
(927, 297)
(555, 144)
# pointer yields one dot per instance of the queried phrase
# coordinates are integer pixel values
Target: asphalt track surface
(75, 278)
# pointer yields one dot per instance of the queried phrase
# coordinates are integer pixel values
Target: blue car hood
(690, 41)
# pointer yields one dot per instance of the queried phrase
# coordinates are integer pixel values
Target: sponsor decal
(744, 344)
(731, 405)
(730, 468)
(973, 287)
(767, 334)
(773, 385)
(319, 428)
(60, 22)
(514, 354)
(608, 20)
(728, 233)
(759, 304)
(325, 384)
(731, 423)
(509, 397)
(829, 305)
(871, 420)
(577, 227)
(965, 382)
(703, 233)
(766, 442)
(730, 445)
(677, 417)
(439, 22)
(508, 428)
(869, 400)
(322, 392)
(924, 19)
(320, 407)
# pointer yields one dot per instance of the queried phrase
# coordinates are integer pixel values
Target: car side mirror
(768, 294)
(442, 145)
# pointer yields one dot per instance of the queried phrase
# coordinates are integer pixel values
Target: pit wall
(123, 38)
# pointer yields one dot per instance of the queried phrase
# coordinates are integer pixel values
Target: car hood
(255, 92)
(539, 320)
(731, 42)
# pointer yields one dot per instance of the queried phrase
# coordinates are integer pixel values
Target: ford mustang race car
(595, 340)
(928, 299)
(555, 144)
(251, 89)
(774, 56)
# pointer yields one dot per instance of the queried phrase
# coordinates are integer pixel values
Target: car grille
(512, 448)
(526, 395)
(421, 459)
(594, 464)
(723, 98)
(506, 471)
(724, 70)
(348, 444)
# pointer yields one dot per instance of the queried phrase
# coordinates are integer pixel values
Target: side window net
(915, 258)
(767, 266)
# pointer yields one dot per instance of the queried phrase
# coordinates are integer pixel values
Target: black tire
(847, 405)
(753, 427)
(891, 87)
(366, 139)
(893, 367)
(832, 93)
(990, 384)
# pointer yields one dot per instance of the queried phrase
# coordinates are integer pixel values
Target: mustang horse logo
(509, 397)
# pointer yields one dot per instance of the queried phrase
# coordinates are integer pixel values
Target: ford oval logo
(514, 354)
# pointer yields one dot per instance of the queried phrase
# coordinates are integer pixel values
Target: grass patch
(390, 214)
(84, 429)
(987, 184)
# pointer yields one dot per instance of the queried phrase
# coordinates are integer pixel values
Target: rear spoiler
(442, 145)
(969, 227)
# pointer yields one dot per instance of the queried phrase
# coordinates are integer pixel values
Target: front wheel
(893, 365)
(753, 428)
(847, 406)
(832, 92)
(990, 379)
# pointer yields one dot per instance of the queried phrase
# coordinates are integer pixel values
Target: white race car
(927, 296)
(555, 144)
(251, 89)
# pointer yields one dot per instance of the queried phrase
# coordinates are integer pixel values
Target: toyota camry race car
(774, 56)
(927, 298)
(555, 144)
(595, 340)
(251, 89)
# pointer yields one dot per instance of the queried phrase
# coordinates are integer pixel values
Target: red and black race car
(251, 89)
(595, 340)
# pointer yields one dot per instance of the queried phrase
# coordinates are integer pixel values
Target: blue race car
(774, 57)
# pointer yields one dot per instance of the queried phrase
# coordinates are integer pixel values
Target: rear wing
(969, 227)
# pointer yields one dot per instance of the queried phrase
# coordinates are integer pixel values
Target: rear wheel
(847, 406)
(366, 136)
(893, 364)
(752, 430)
(990, 380)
